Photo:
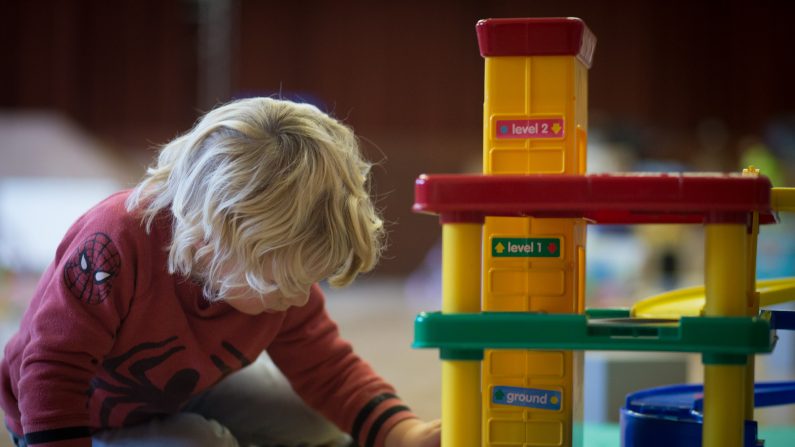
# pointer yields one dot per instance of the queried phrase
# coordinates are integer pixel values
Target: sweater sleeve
(330, 377)
(70, 326)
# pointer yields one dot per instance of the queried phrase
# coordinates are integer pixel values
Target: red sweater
(111, 339)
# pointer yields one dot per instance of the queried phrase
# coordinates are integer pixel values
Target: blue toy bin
(673, 415)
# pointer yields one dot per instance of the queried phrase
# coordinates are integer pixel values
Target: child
(157, 295)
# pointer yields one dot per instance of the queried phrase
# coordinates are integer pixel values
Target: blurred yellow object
(689, 302)
(782, 199)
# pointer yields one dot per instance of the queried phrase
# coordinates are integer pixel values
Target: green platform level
(465, 336)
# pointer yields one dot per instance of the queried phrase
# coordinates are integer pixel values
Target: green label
(519, 247)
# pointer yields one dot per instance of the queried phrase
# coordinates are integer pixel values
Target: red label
(530, 128)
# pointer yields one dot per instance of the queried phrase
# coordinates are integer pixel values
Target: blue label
(527, 397)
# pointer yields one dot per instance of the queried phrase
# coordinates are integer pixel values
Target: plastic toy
(519, 230)
(535, 122)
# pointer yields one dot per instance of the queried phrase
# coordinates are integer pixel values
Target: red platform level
(601, 198)
(536, 37)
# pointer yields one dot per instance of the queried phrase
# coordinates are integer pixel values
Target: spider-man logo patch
(128, 382)
(89, 272)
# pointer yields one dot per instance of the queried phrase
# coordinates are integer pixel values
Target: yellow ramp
(689, 302)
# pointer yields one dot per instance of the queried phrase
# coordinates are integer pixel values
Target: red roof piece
(602, 198)
(536, 37)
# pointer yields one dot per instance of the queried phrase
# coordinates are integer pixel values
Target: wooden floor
(379, 320)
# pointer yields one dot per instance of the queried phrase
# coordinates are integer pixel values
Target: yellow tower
(534, 122)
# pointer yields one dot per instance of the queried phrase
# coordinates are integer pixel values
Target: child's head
(262, 184)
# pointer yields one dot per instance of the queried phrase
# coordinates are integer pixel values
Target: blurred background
(89, 89)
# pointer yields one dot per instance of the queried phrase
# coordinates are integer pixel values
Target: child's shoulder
(111, 219)
(111, 213)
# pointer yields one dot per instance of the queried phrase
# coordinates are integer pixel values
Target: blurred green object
(602, 435)
(759, 156)
(609, 435)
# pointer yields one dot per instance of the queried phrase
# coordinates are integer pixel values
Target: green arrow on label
(520, 247)
(499, 395)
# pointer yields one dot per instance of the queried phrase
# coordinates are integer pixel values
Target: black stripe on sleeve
(380, 421)
(366, 411)
(58, 434)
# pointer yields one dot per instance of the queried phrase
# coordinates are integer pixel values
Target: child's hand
(415, 433)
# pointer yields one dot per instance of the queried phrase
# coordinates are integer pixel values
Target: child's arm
(65, 334)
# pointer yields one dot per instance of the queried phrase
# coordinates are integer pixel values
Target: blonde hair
(260, 183)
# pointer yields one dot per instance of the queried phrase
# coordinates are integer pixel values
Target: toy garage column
(534, 122)
(726, 295)
(461, 369)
